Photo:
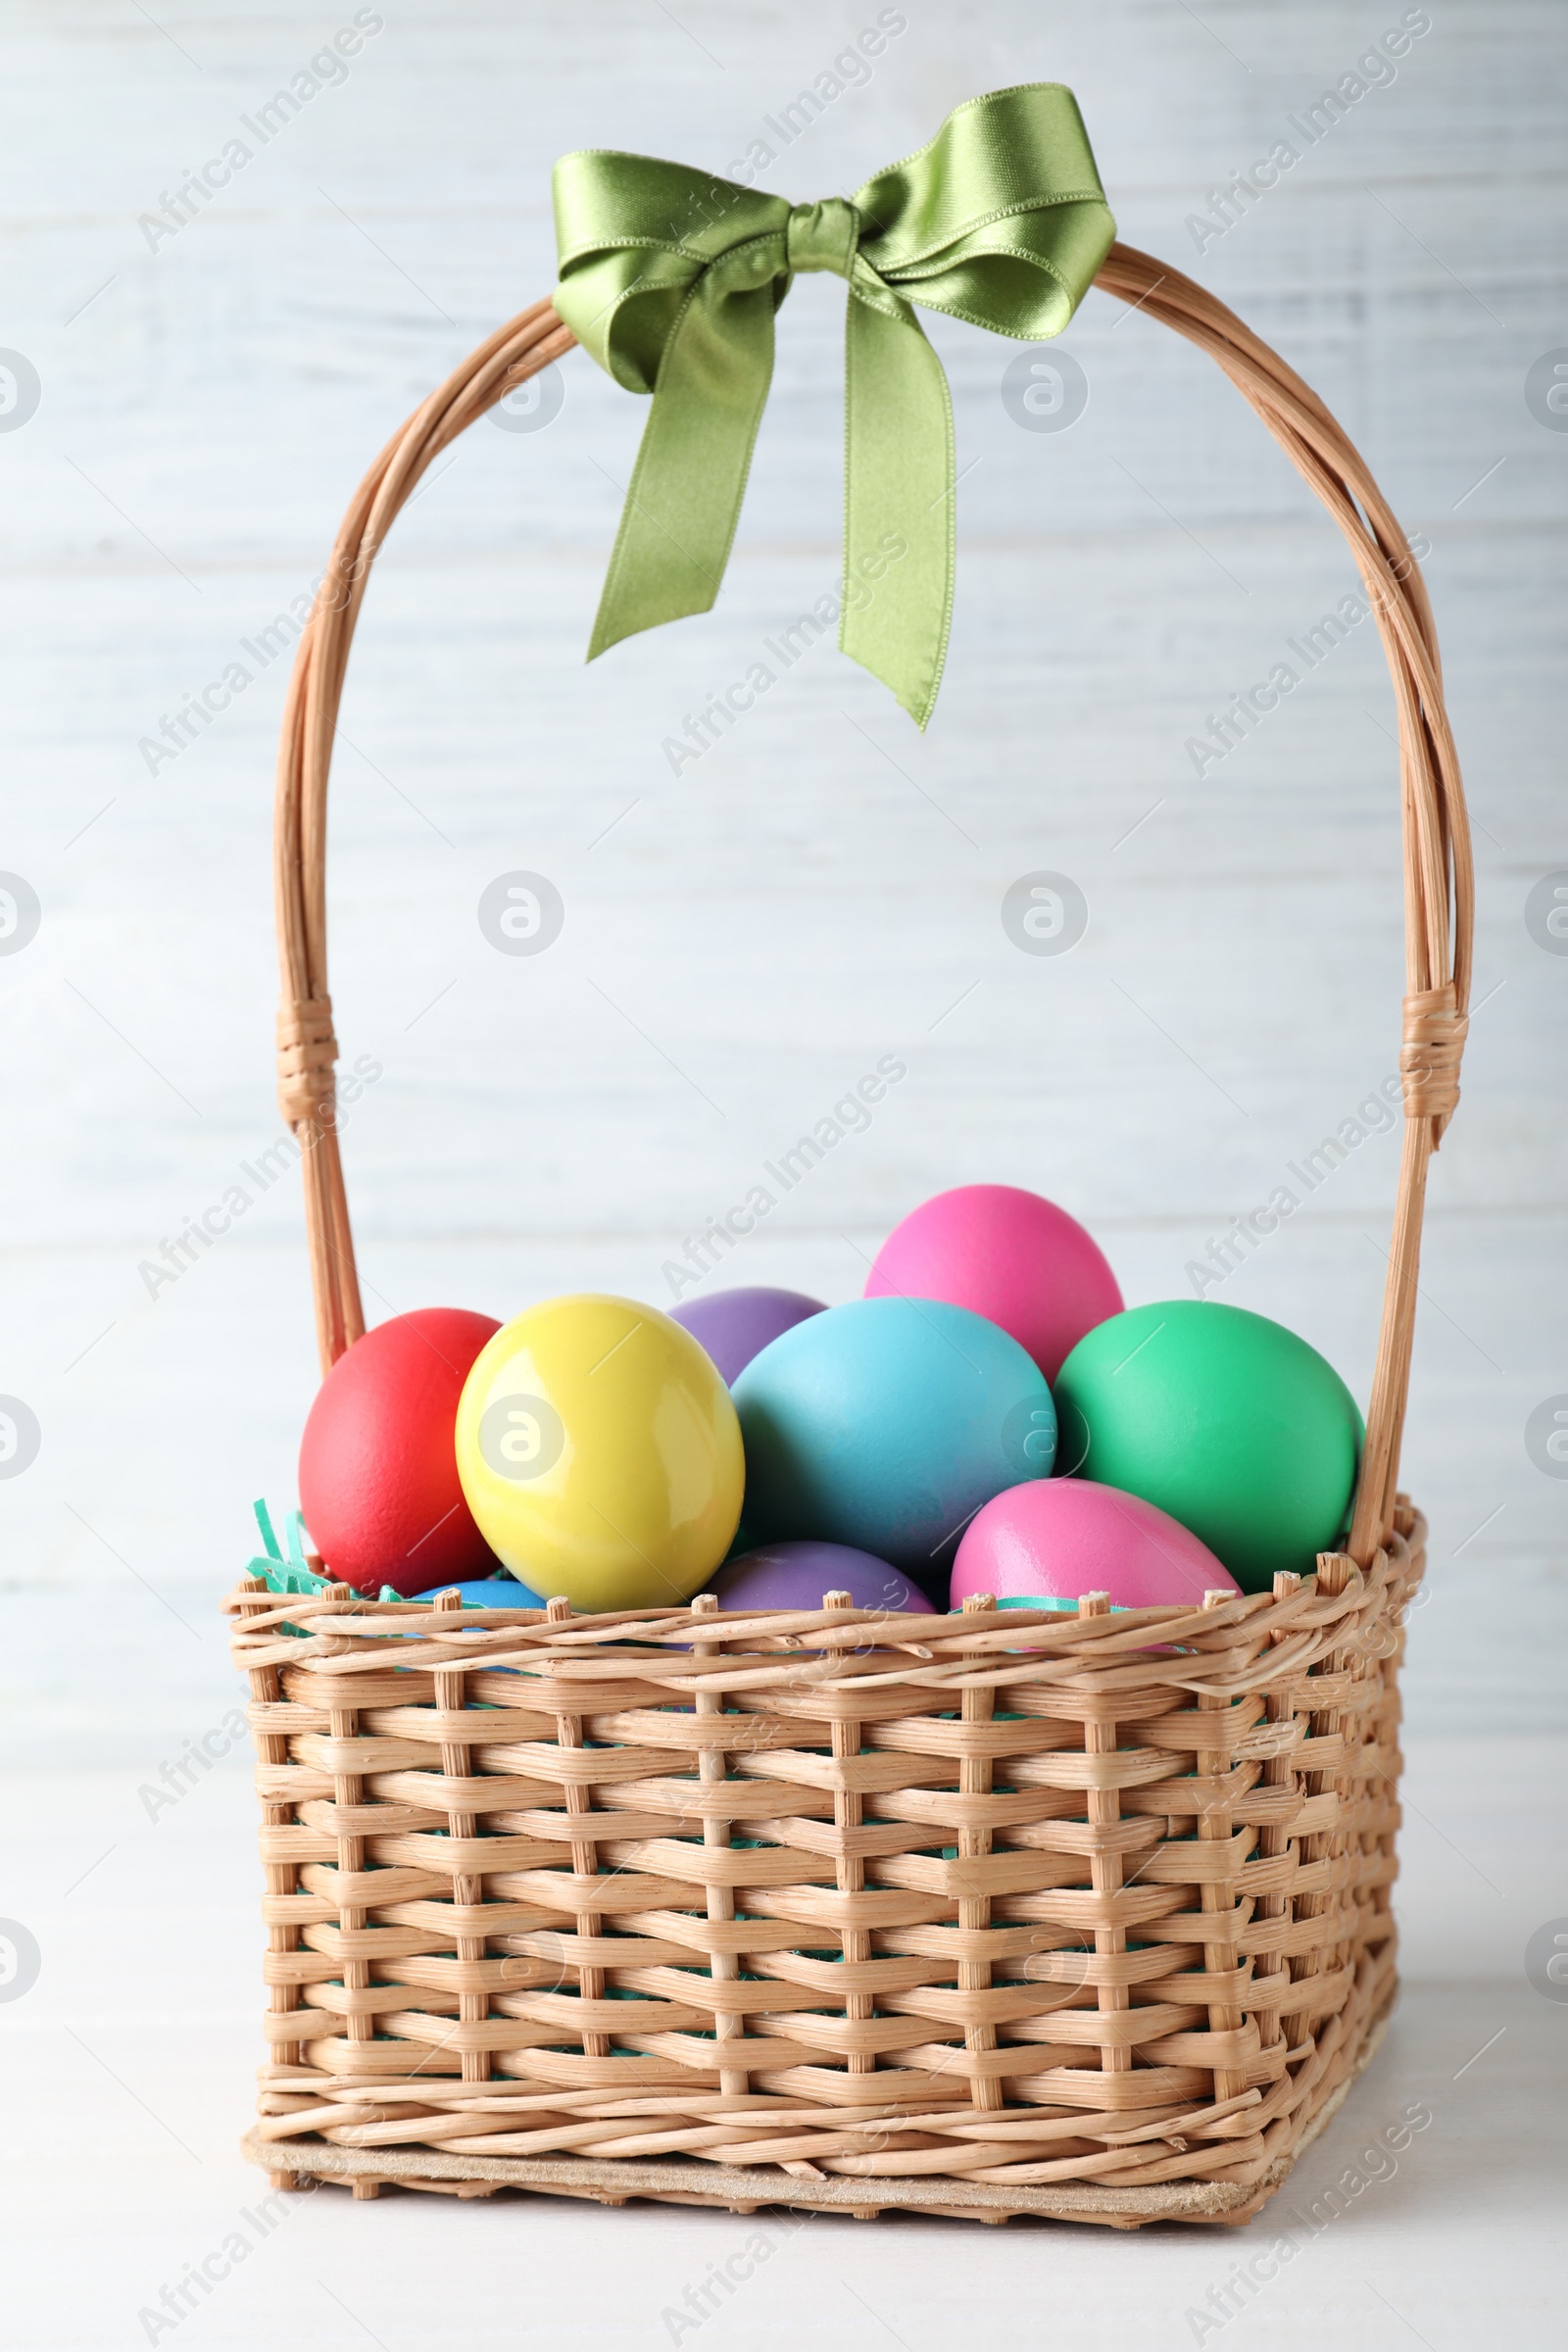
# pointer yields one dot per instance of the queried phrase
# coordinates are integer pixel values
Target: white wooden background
(823, 887)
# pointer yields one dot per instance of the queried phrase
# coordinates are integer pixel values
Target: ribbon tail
(684, 499)
(899, 522)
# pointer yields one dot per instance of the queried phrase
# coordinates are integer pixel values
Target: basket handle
(1439, 877)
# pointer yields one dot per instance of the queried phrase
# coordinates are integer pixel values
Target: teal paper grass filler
(292, 1574)
(1054, 1602)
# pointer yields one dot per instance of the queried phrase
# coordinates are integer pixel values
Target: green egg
(1228, 1421)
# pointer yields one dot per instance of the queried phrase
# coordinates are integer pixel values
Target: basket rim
(824, 1654)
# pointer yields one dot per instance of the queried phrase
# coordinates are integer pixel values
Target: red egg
(378, 1475)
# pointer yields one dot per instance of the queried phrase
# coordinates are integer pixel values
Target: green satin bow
(670, 279)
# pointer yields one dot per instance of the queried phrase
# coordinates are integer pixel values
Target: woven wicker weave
(980, 1915)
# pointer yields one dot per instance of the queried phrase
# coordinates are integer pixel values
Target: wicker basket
(981, 1915)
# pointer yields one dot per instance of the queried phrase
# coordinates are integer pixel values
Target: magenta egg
(1056, 1538)
(1007, 1254)
(796, 1575)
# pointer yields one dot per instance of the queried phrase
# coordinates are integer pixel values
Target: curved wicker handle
(1437, 871)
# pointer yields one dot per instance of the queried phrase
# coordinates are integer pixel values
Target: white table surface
(822, 888)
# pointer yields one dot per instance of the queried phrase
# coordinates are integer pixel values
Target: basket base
(733, 2189)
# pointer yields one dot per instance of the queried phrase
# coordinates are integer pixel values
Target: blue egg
(886, 1424)
(489, 1592)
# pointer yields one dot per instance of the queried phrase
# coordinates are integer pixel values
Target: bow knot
(670, 279)
(822, 237)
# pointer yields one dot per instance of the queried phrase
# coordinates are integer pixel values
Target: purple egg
(733, 1326)
(795, 1576)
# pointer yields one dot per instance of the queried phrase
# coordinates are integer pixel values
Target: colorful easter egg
(885, 1424)
(600, 1454)
(796, 1576)
(1059, 1538)
(1007, 1254)
(377, 1475)
(736, 1325)
(490, 1592)
(1227, 1421)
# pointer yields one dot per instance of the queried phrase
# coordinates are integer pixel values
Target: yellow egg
(600, 1454)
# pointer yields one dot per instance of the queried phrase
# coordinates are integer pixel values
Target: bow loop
(670, 279)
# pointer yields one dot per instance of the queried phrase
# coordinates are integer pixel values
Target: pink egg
(1055, 1539)
(1007, 1254)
